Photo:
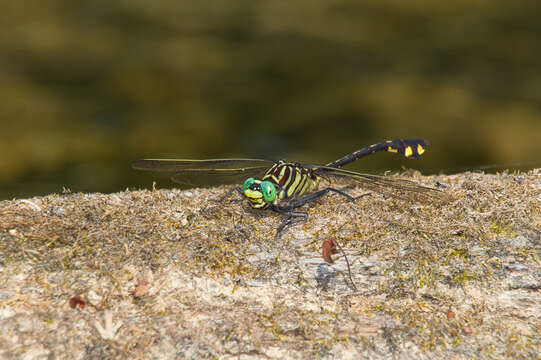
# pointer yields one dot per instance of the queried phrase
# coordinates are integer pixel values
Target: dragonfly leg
(291, 217)
(228, 193)
(343, 193)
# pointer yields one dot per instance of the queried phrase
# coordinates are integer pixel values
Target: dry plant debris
(77, 302)
(457, 280)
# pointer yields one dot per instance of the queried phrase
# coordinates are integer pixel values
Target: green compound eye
(247, 184)
(269, 191)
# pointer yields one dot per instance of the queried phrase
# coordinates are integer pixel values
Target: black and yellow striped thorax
(289, 179)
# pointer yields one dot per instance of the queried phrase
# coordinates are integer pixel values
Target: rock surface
(174, 274)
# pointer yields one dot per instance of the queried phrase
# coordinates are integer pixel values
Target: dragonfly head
(259, 193)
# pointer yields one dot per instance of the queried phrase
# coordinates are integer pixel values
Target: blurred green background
(89, 86)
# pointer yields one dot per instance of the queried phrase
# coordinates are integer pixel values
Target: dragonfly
(283, 186)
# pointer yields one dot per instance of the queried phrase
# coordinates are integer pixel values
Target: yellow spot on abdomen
(393, 150)
(420, 149)
(408, 151)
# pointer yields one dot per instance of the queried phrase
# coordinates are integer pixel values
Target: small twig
(108, 331)
(329, 249)
(347, 263)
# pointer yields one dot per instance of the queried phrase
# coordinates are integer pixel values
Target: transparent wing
(173, 165)
(206, 172)
(399, 188)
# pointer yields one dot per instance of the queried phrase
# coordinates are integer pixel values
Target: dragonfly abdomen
(409, 148)
(291, 179)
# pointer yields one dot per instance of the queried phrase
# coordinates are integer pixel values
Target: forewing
(174, 165)
(206, 172)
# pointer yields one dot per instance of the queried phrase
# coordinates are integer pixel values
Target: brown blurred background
(89, 86)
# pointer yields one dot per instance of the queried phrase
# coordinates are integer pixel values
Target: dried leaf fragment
(328, 249)
(141, 289)
(77, 302)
